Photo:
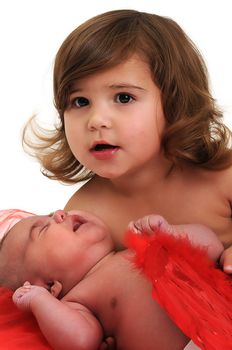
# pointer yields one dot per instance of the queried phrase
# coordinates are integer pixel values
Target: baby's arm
(199, 235)
(64, 325)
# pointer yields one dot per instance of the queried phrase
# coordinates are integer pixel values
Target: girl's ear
(55, 287)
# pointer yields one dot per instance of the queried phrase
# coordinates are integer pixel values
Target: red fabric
(197, 295)
(18, 330)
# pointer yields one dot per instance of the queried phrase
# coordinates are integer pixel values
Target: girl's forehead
(124, 73)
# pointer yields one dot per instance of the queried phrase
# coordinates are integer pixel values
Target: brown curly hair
(195, 132)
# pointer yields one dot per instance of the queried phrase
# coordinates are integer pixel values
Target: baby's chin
(95, 233)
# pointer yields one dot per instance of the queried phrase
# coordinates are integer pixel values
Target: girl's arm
(199, 235)
(65, 325)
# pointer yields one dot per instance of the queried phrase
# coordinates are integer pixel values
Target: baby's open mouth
(77, 221)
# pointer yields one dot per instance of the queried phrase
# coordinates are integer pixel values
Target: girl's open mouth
(101, 147)
(103, 150)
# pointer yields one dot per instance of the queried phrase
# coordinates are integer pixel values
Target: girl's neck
(143, 180)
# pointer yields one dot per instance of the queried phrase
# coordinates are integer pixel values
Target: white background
(31, 32)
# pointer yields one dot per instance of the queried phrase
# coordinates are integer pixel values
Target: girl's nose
(59, 216)
(99, 120)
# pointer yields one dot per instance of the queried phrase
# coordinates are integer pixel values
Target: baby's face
(61, 246)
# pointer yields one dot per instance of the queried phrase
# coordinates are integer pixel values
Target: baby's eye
(43, 228)
(124, 98)
(80, 102)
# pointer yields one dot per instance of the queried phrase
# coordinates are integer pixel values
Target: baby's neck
(104, 260)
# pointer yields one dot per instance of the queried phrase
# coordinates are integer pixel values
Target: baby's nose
(59, 216)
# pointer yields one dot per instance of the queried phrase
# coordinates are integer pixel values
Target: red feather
(18, 329)
(196, 295)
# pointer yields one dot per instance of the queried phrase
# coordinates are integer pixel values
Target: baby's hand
(149, 224)
(24, 295)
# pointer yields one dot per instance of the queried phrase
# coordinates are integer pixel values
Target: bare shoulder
(82, 195)
(226, 183)
(227, 175)
(222, 178)
(92, 196)
(218, 177)
(77, 198)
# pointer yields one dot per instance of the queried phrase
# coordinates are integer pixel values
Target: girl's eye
(80, 102)
(124, 98)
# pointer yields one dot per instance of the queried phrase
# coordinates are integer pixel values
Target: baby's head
(59, 247)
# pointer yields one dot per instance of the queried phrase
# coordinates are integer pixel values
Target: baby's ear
(55, 287)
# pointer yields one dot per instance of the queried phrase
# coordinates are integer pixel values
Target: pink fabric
(9, 217)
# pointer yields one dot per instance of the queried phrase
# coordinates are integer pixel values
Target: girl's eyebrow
(114, 86)
(73, 91)
(126, 86)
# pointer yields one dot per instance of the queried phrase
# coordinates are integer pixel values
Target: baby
(81, 290)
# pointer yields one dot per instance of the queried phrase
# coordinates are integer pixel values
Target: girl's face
(115, 120)
(63, 247)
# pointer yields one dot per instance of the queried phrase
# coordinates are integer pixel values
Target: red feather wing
(196, 295)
